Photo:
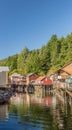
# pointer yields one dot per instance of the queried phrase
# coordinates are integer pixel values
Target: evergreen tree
(22, 60)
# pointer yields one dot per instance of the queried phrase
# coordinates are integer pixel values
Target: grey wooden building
(4, 78)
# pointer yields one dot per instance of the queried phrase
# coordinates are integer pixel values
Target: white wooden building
(4, 78)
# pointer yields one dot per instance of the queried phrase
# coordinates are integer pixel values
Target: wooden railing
(64, 85)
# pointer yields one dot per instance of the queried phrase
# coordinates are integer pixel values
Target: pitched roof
(66, 64)
(15, 75)
(40, 78)
(30, 74)
(68, 71)
(4, 68)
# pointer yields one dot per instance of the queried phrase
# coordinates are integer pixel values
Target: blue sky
(31, 23)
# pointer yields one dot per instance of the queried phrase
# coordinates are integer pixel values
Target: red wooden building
(43, 80)
(31, 78)
(47, 81)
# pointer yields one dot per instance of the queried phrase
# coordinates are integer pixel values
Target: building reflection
(28, 99)
(49, 101)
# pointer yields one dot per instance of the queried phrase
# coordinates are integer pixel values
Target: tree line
(44, 61)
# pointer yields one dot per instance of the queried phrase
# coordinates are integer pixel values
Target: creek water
(35, 112)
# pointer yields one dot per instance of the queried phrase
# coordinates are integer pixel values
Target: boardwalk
(63, 91)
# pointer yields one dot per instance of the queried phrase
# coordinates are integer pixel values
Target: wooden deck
(65, 87)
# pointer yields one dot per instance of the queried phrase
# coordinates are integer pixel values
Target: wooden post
(7, 78)
(65, 96)
(70, 100)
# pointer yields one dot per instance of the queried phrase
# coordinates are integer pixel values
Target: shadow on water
(41, 111)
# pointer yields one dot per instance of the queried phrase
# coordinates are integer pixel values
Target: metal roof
(4, 68)
(15, 75)
(30, 74)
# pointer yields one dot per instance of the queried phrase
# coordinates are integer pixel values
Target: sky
(31, 23)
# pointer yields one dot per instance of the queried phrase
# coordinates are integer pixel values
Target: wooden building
(42, 84)
(43, 80)
(68, 68)
(4, 78)
(39, 80)
(18, 79)
(64, 72)
(31, 78)
(47, 82)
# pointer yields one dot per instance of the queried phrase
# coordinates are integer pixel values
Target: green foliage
(44, 59)
(22, 60)
(53, 55)
(11, 61)
(32, 62)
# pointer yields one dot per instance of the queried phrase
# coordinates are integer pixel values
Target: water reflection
(36, 112)
(32, 99)
(33, 111)
(3, 112)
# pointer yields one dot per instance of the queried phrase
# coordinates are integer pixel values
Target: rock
(5, 96)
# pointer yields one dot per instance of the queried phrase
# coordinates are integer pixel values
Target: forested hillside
(51, 56)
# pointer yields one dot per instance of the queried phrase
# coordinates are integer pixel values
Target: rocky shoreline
(5, 95)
